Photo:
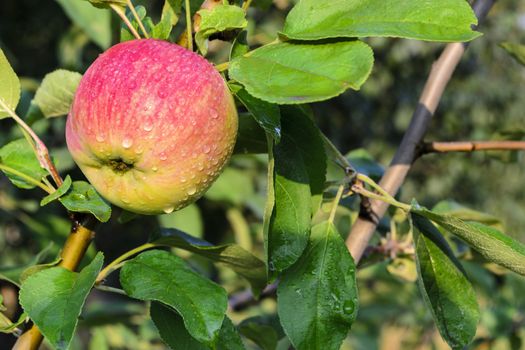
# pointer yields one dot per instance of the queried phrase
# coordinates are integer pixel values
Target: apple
(151, 126)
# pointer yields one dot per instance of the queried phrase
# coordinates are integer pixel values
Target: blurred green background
(483, 101)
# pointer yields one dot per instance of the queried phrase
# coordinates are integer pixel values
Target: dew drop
(148, 126)
(348, 307)
(201, 167)
(183, 179)
(169, 210)
(191, 191)
(206, 149)
(127, 142)
(155, 169)
(162, 93)
(133, 85)
(213, 113)
(100, 138)
(163, 156)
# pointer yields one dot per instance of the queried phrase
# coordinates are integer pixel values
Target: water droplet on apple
(127, 142)
(201, 167)
(206, 149)
(100, 138)
(162, 93)
(163, 156)
(155, 169)
(148, 126)
(183, 179)
(213, 113)
(191, 191)
(133, 85)
(169, 210)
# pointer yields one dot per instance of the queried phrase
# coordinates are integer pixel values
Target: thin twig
(395, 175)
(222, 66)
(137, 18)
(110, 289)
(42, 152)
(471, 146)
(115, 264)
(189, 43)
(246, 5)
(125, 19)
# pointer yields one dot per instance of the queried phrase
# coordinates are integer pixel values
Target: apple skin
(151, 126)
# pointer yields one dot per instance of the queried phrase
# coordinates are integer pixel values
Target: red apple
(151, 126)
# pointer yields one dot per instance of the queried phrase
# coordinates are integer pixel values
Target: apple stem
(125, 19)
(137, 18)
(42, 152)
(188, 25)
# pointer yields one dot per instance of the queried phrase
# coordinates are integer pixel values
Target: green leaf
(269, 206)
(231, 255)
(287, 73)
(232, 186)
(31, 270)
(219, 19)
(450, 207)
(515, 50)
(251, 138)
(58, 193)
(9, 86)
(364, 163)
(445, 20)
(239, 45)
(300, 166)
(444, 286)
(96, 23)
(264, 335)
(55, 94)
(20, 156)
(317, 297)
(83, 198)
(161, 276)
(53, 299)
(489, 242)
(266, 114)
(168, 19)
(172, 331)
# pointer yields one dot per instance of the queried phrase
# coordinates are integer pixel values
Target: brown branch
(394, 176)
(471, 146)
(77, 243)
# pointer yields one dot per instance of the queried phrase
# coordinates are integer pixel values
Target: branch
(81, 235)
(471, 146)
(395, 175)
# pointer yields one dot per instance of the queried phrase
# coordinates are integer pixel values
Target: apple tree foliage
(321, 51)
